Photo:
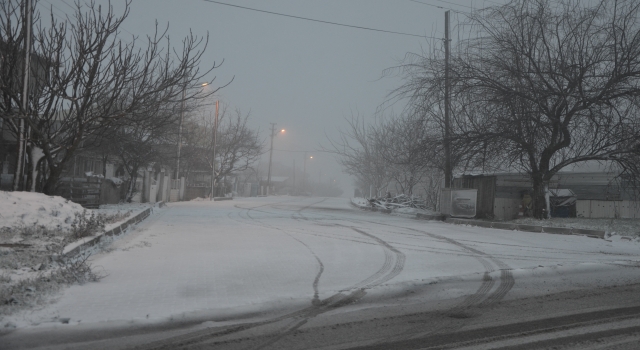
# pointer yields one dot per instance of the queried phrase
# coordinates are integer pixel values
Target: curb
(527, 228)
(215, 199)
(430, 217)
(118, 230)
(501, 225)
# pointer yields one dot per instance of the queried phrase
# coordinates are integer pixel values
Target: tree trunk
(133, 177)
(54, 175)
(35, 156)
(105, 158)
(541, 205)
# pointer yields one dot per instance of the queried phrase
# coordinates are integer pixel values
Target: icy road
(300, 273)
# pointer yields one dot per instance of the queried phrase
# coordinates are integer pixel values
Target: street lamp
(273, 134)
(213, 155)
(184, 93)
(304, 175)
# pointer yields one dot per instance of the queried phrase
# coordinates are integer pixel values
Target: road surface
(300, 273)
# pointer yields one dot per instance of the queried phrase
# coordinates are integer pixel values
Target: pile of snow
(359, 201)
(29, 208)
(402, 211)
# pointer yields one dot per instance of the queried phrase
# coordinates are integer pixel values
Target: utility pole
(304, 173)
(448, 172)
(273, 134)
(22, 138)
(184, 88)
(213, 153)
(294, 176)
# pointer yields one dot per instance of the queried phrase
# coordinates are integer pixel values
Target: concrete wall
(506, 208)
(109, 192)
(193, 192)
(608, 209)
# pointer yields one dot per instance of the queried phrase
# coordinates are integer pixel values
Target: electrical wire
(441, 7)
(321, 21)
(451, 3)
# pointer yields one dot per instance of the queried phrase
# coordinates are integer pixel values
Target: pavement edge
(118, 230)
(499, 225)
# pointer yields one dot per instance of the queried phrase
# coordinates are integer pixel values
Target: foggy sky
(304, 76)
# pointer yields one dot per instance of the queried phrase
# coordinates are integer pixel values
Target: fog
(304, 76)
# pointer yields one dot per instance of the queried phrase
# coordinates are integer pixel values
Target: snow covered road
(315, 261)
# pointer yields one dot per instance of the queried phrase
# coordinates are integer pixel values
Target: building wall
(486, 186)
(600, 195)
(506, 208)
(608, 209)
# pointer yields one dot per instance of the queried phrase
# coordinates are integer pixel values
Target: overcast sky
(305, 76)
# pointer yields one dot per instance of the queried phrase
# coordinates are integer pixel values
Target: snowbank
(612, 227)
(30, 208)
(400, 211)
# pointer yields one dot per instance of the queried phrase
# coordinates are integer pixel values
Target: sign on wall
(463, 203)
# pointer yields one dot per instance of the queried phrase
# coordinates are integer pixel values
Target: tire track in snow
(301, 317)
(480, 298)
(392, 266)
(387, 271)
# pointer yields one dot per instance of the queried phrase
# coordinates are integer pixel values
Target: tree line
(536, 87)
(89, 90)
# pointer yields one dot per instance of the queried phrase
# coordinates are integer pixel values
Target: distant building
(597, 194)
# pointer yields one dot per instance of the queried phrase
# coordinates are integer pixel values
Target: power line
(451, 3)
(440, 7)
(321, 21)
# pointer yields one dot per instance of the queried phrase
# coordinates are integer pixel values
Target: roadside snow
(20, 209)
(35, 230)
(403, 211)
(211, 259)
(611, 227)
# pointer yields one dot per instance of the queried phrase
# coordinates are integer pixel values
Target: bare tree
(557, 83)
(238, 146)
(539, 85)
(402, 144)
(146, 138)
(361, 155)
(96, 80)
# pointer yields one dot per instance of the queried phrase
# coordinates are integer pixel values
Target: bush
(87, 225)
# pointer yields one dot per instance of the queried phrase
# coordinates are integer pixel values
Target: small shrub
(84, 225)
(117, 217)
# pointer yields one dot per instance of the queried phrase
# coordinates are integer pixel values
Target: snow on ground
(612, 227)
(34, 230)
(25, 209)
(216, 259)
(20, 209)
(406, 211)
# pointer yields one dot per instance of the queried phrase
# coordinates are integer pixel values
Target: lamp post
(213, 155)
(304, 172)
(273, 134)
(184, 92)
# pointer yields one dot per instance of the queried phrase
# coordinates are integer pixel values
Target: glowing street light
(304, 176)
